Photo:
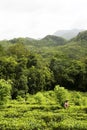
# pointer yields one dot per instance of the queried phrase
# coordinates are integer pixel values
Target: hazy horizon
(38, 18)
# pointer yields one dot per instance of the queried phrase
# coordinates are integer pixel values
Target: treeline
(27, 71)
(31, 71)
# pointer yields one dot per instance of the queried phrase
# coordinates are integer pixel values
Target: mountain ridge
(68, 34)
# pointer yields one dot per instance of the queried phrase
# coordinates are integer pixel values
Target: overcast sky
(37, 18)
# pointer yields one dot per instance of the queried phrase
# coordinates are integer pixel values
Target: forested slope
(38, 65)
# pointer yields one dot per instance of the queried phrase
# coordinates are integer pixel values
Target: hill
(49, 40)
(82, 36)
(76, 47)
(49, 61)
(67, 34)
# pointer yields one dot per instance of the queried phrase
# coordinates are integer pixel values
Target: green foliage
(82, 36)
(68, 74)
(34, 60)
(5, 91)
(7, 67)
(18, 50)
(48, 62)
(39, 79)
(79, 99)
(2, 51)
(40, 99)
(62, 94)
(51, 40)
(34, 113)
(38, 65)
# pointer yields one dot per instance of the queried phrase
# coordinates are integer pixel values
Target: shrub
(61, 94)
(5, 91)
(79, 100)
(40, 98)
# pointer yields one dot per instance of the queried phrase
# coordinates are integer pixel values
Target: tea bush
(5, 91)
(61, 94)
(43, 111)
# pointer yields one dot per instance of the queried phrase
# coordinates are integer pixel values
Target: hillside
(77, 47)
(36, 65)
(34, 44)
(51, 45)
(67, 34)
(82, 37)
(51, 40)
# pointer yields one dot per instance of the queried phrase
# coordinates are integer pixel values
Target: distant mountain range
(68, 34)
(50, 45)
(49, 40)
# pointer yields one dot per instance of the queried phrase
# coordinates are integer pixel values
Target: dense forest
(32, 65)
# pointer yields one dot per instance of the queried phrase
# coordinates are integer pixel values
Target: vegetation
(44, 111)
(5, 91)
(37, 65)
(32, 73)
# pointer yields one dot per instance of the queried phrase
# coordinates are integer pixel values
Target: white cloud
(37, 18)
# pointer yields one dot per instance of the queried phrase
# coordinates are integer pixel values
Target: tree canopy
(38, 65)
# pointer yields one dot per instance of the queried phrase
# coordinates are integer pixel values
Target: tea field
(43, 111)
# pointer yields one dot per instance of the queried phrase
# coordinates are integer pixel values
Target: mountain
(66, 60)
(76, 48)
(50, 45)
(67, 34)
(82, 36)
(51, 40)
(48, 41)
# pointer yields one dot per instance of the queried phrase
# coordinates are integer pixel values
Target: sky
(38, 18)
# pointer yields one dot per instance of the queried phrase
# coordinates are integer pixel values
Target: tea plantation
(45, 111)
